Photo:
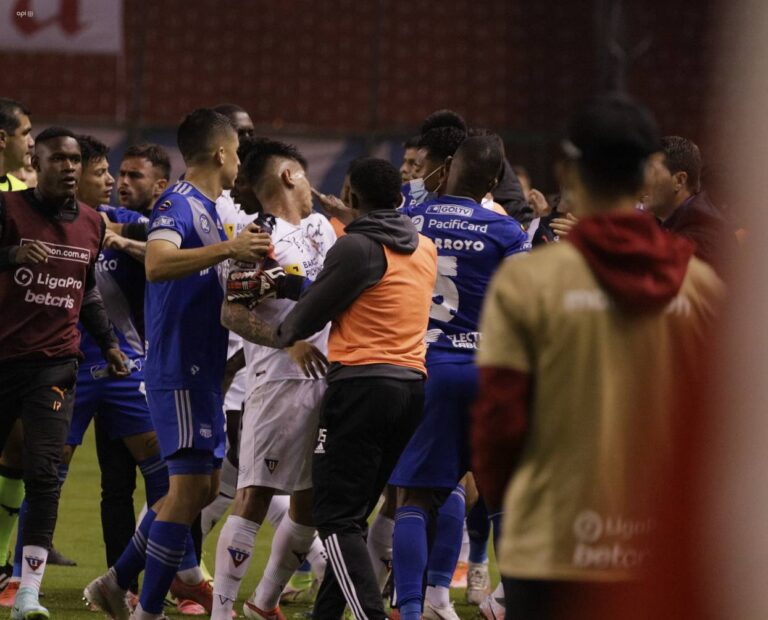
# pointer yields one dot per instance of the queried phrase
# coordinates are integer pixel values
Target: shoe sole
(94, 596)
(32, 615)
(251, 613)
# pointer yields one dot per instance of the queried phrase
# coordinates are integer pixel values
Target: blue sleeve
(515, 240)
(121, 215)
(172, 213)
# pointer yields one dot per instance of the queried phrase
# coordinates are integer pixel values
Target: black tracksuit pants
(365, 423)
(41, 393)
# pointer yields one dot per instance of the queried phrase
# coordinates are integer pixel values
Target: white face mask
(419, 191)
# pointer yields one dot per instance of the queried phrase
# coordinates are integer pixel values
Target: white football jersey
(299, 250)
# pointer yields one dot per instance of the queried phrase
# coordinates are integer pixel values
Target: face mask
(419, 192)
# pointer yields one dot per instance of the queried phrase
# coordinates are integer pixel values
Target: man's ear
(219, 156)
(159, 187)
(494, 184)
(681, 180)
(36, 162)
(354, 201)
(3, 138)
(286, 177)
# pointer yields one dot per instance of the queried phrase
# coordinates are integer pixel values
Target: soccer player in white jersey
(284, 390)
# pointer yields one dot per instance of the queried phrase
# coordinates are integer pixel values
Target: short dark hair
(91, 149)
(377, 182)
(228, 109)
(444, 118)
(611, 139)
(682, 155)
(154, 154)
(54, 132)
(197, 131)
(482, 160)
(264, 149)
(9, 114)
(442, 142)
(412, 142)
(247, 145)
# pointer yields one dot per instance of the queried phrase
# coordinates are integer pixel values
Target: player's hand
(334, 207)
(116, 360)
(251, 286)
(539, 203)
(309, 358)
(563, 225)
(113, 241)
(32, 254)
(251, 244)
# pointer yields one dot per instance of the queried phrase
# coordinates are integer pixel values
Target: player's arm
(166, 260)
(135, 249)
(246, 324)
(94, 318)
(353, 264)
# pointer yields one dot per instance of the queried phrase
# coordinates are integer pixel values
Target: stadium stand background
(342, 77)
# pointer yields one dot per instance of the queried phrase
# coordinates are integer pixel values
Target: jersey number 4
(445, 298)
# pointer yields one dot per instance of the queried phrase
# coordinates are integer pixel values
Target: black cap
(610, 128)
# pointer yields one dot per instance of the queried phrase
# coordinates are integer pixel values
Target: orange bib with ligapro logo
(387, 322)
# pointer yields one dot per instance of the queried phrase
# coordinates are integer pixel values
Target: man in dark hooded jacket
(585, 344)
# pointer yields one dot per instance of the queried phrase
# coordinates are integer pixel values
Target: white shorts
(278, 435)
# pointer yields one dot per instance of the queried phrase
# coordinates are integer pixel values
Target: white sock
(498, 593)
(290, 547)
(213, 513)
(233, 556)
(380, 547)
(317, 558)
(33, 561)
(464, 553)
(438, 596)
(191, 576)
(278, 508)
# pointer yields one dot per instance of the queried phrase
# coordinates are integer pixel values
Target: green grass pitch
(78, 535)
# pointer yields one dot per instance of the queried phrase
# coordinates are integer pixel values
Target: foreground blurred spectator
(574, 448)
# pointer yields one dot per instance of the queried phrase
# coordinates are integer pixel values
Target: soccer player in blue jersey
(471, 243)
(429, 165)
(186, 353)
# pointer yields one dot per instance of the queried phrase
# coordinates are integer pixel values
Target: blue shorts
(437, 456)
(188, 419)
(120, 404)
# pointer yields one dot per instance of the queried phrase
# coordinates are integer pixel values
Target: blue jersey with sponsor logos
(186, 343)
(471, 244)
(120, 279)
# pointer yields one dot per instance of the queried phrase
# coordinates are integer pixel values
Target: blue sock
(496, 520)
(409, 559)
(155, 474)
(447, 546)
(132, 560)
(304, 568)
(190, 556)
(479, 530)
(165, 549)
(18, 551)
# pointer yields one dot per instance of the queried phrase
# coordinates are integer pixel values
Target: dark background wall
(372, 69)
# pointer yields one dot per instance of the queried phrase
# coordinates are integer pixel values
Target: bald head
(475, 167)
